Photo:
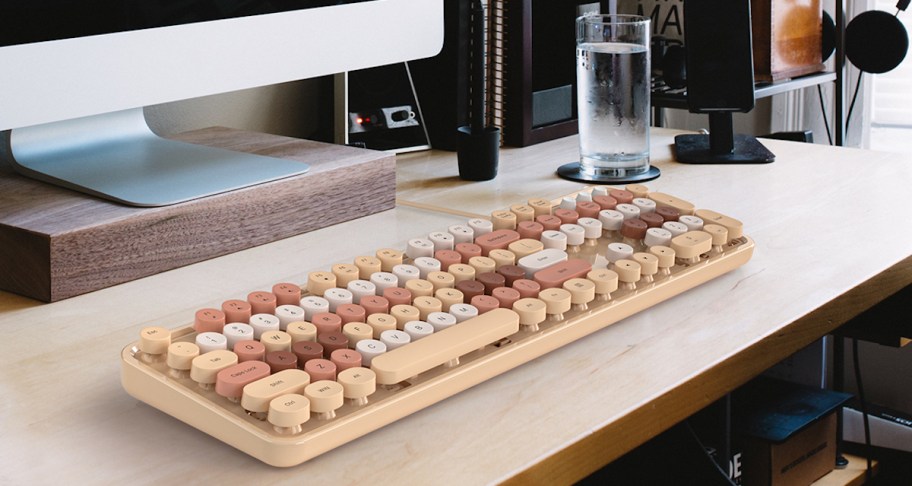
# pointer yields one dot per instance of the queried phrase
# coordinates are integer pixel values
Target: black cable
(864, 407)
(852, 105)
(722, 473)
(826, 121)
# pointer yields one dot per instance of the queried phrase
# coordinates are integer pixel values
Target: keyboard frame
(216, 416)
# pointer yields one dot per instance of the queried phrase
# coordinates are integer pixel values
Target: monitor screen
(78, 72)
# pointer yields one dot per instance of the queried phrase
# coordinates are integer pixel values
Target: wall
(292, 109)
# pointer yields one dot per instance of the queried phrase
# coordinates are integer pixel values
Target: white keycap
(568, 203)
(236, 332)
(442, 241)
(337, 297)
(361, 288)
(676, 228)
(262, 323)
(394, 338)
(418, 329)
(461, 234)
(693, 223)
(618, 251)
(657, 236)
(480, 226)
(405, 272)
(419, 247)
(611, 220)
(211, 341)
(541, 260)
(313, 305)
(554, 239)
(583, 196)
(600, 191)
(463, 312)
(592, 227)
(645, 205)
(383, 281)
(369, 349)
(576, 235)
(427, 265)
(441, 320)
(629, 211)
(289, 313)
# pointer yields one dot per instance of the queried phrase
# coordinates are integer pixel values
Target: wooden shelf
(851, 475)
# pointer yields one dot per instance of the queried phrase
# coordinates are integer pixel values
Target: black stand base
(721, 146)
(695, 149)
(572, 172)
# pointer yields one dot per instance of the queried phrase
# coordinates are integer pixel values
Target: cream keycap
(367, 266)
(666, 258)
(649, 265)
(320, 282)
(689, 246)
(205, 367)
(444, 346)
(540, 206)
(525, 247)
(720, 236)
(288, 412)
(582, 291)
(154, 340)
(181, 354)
(681, 205)
(389, 258)
(531, 311)
(345, 273)
(735, 228)
(357, 384)
(325, 398)
(357, 331)
(302, 331)
(257, 395)
(557, 301)
(605, 281)
(523, 212)
(503, 219)
(628, 272)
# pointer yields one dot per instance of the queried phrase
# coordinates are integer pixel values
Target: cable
(854, 98)
(826, 121)
(722, 473)
(864, 407)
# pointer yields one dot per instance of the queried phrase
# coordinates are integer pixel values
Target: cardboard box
(787, 34)
(787, 38)
(802, 459)
(787, 432)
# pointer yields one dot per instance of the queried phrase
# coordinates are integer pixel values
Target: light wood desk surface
(832, 238)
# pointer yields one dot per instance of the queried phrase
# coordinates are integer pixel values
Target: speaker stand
(721, 146)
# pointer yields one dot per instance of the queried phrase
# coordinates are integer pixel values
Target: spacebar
(444, 346)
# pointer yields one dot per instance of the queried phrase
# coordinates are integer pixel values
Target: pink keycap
(262, 302)
(397, 296)
(327, 322)
(287, 293)
(374, 304)
(468, 250)
(605, 202)
(320, 369)
(351, 313)
(345, 359)
(549, 222)
(506, 296)
(237, 310)
(527, 288)
(447, 258)
(485, 303)
(588, 209)
(250, 351)
(209, 320)
(530, 229)
(557, 274)
(567, 216)
(496, 240)
(230, 381)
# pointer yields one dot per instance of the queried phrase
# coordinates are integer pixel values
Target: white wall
(285, 109)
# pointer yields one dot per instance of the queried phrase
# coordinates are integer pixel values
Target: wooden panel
(58, 243)
(787, 38)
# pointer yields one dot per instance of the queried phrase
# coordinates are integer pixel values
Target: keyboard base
(216, 416)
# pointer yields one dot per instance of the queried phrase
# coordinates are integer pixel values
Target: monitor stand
(116, 156)
(721, 146)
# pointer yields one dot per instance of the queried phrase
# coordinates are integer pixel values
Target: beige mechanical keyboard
(289, 373)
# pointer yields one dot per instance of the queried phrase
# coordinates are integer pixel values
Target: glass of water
(613, 90)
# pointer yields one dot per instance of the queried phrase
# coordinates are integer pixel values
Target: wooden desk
(832, 239)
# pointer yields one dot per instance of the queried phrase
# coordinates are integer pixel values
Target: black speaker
(720, 81)
(876, 42)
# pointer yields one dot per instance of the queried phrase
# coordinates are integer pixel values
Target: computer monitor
(76, 75)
